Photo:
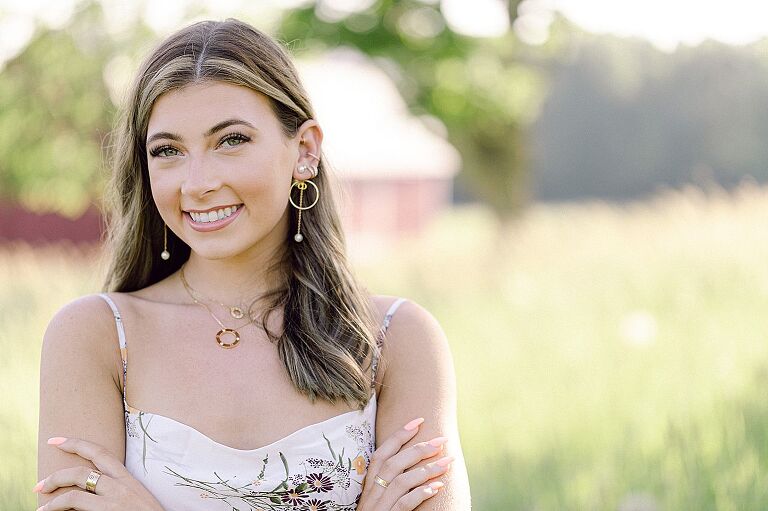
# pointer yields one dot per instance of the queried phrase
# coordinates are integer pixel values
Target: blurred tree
(480, 88)
(54, 112)
(623, 118)
(58, 99)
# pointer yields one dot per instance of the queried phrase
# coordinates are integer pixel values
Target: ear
(309, 139)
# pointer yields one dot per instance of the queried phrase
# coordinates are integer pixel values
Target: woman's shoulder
(409, 313)
(88, 311)
(85, 324)
(92, 318)
(412, 331)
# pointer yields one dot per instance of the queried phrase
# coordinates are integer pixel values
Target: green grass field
(608, 357)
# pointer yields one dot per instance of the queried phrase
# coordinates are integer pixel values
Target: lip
(213, 226)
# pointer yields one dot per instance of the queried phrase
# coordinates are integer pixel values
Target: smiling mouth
(214, 215)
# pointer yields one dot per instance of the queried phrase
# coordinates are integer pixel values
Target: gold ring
(90, 483)
(381, 482)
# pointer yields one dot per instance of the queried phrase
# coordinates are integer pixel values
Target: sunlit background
(575, 189)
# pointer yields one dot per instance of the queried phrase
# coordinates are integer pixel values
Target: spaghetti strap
(380, 337)
(121, 337)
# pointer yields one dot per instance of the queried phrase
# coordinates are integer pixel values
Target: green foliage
(480, 89)
(54, 114)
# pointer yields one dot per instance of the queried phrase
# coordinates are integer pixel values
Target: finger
(394, 470)
(387, 449)
(79, 500)
(418, 495)
(410, 479)
(409, 457)
(74, 476)
(104, 460)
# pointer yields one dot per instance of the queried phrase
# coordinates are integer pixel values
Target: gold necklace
(224, 330)
(236, 311)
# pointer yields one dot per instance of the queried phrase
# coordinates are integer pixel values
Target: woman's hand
(116, 488)
(405, 489)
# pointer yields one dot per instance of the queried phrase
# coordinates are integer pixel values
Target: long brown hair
(328, 319)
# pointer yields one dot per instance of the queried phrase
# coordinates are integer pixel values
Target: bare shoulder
(420, 381)
(413, 330)
(85, 324)
(415, 342)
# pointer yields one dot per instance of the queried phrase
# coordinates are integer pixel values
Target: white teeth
(212, 216)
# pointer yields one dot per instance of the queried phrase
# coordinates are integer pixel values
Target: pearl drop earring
(165, 255)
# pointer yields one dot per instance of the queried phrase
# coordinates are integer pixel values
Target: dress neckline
(136, 411)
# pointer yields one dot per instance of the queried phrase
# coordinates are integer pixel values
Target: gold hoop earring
(302, 185)
(165, 255)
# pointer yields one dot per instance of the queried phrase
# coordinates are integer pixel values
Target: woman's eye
(163, 151)
(234, 139)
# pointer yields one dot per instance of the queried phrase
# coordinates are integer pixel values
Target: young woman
(261, 375)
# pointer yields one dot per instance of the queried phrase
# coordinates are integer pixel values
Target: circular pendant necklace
(236, 312)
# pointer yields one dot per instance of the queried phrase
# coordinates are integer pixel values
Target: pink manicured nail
(414, 424)
(38, 486)
(57, 440)
(437, 442)
(445, 461)
(436, 485)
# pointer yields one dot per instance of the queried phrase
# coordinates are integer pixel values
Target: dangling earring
(165, 255)
(302, 185)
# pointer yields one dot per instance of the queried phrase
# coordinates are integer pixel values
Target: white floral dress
(317, 468)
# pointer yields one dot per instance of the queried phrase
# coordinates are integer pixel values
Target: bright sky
(666, 23)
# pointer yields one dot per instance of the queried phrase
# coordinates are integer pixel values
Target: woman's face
(215, 146)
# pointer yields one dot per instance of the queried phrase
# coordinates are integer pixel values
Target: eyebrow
(218, 127)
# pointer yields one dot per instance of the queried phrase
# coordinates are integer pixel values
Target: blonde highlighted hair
(327, 341)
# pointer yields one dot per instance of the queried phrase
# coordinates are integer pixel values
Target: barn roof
(368, 131)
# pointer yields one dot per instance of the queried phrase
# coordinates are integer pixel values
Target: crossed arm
(79, 397)
(418, 380)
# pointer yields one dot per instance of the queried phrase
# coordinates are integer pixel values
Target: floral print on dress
(319, 484)
(364, 437)
(134, 422)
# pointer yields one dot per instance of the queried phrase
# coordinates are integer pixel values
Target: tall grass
(608, 357)
(34, 284)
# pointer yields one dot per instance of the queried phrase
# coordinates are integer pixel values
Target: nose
(201, 178)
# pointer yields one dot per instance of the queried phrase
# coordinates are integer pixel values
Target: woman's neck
(229, 281)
